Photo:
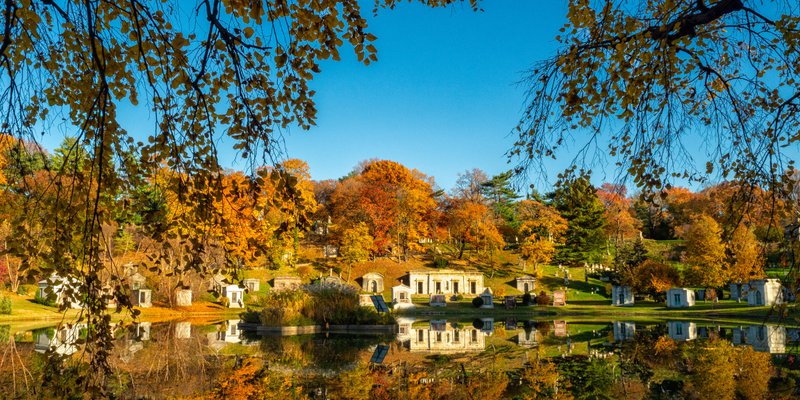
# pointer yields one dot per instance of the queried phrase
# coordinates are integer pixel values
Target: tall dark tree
(500, 194)
(576, 199)
(630, 256)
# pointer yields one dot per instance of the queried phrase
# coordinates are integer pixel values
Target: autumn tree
(642, 76)
(470, 185)
(78, 64)
(542, 228)
(655, 278)
(620, 222)
(576, 200)
(395, 202)
(705, 253)
(744, 256)
(473, 224)
(355, 245)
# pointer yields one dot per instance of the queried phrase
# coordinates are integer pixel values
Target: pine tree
(576, 199)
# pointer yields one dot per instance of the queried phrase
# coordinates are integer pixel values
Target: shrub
(22, 290)
(45, 301)
(5, 305)
(542, 299)
(441, 263)
(225, 301)
(477, 302)
(459, 297)
(281, 307)
(527, 299)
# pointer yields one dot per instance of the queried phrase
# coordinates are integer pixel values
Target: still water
(426, 358)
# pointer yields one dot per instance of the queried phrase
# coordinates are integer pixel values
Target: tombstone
(559, 298)
(510, 302)
(252, 284)
(621, 296)
(235, 295)
(438, 300)
(330, 251)
(183, 298)
(183, 330)
(525, 283)
(680, 298)
(142, 297)
(700, 294)
(560, 328)
(511, 324)
(488, 298)
(280, 283)
(401, 297)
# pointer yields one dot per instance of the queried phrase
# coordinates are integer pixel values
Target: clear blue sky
(442, 97)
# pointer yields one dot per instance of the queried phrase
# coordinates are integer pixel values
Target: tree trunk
(461, 250)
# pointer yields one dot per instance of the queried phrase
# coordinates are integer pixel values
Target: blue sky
(442, 97)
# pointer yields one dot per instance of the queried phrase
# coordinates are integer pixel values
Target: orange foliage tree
(396, 203)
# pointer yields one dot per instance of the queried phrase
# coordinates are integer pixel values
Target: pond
(426, 358)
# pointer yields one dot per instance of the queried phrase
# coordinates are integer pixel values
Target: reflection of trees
(169, 364)
(325, 353)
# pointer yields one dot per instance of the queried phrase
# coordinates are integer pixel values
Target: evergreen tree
(629, 258)
(576, 199)
(502, 196)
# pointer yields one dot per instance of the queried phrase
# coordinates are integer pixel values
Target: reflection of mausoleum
(624, 331)
(442, 337)
(763, 338)
(681, 330)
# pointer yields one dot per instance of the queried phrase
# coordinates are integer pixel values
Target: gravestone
(559, 298)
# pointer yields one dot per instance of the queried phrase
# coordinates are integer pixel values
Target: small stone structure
(621, 296)
(142, 297)
(365, 300)
(446, 282)
(680, 298)
(137, 281)
(525, 283)
(488, 298)
(401, 297)
(183, 298)
(681, 330)
(280, 283)
(372, 282)
(58, 286)
(438, 300)
(252, 284)
(739, 291)
(235, 295)
(510, 302)
(765, 292)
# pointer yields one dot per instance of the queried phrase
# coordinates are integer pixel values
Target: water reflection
(180, 358)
